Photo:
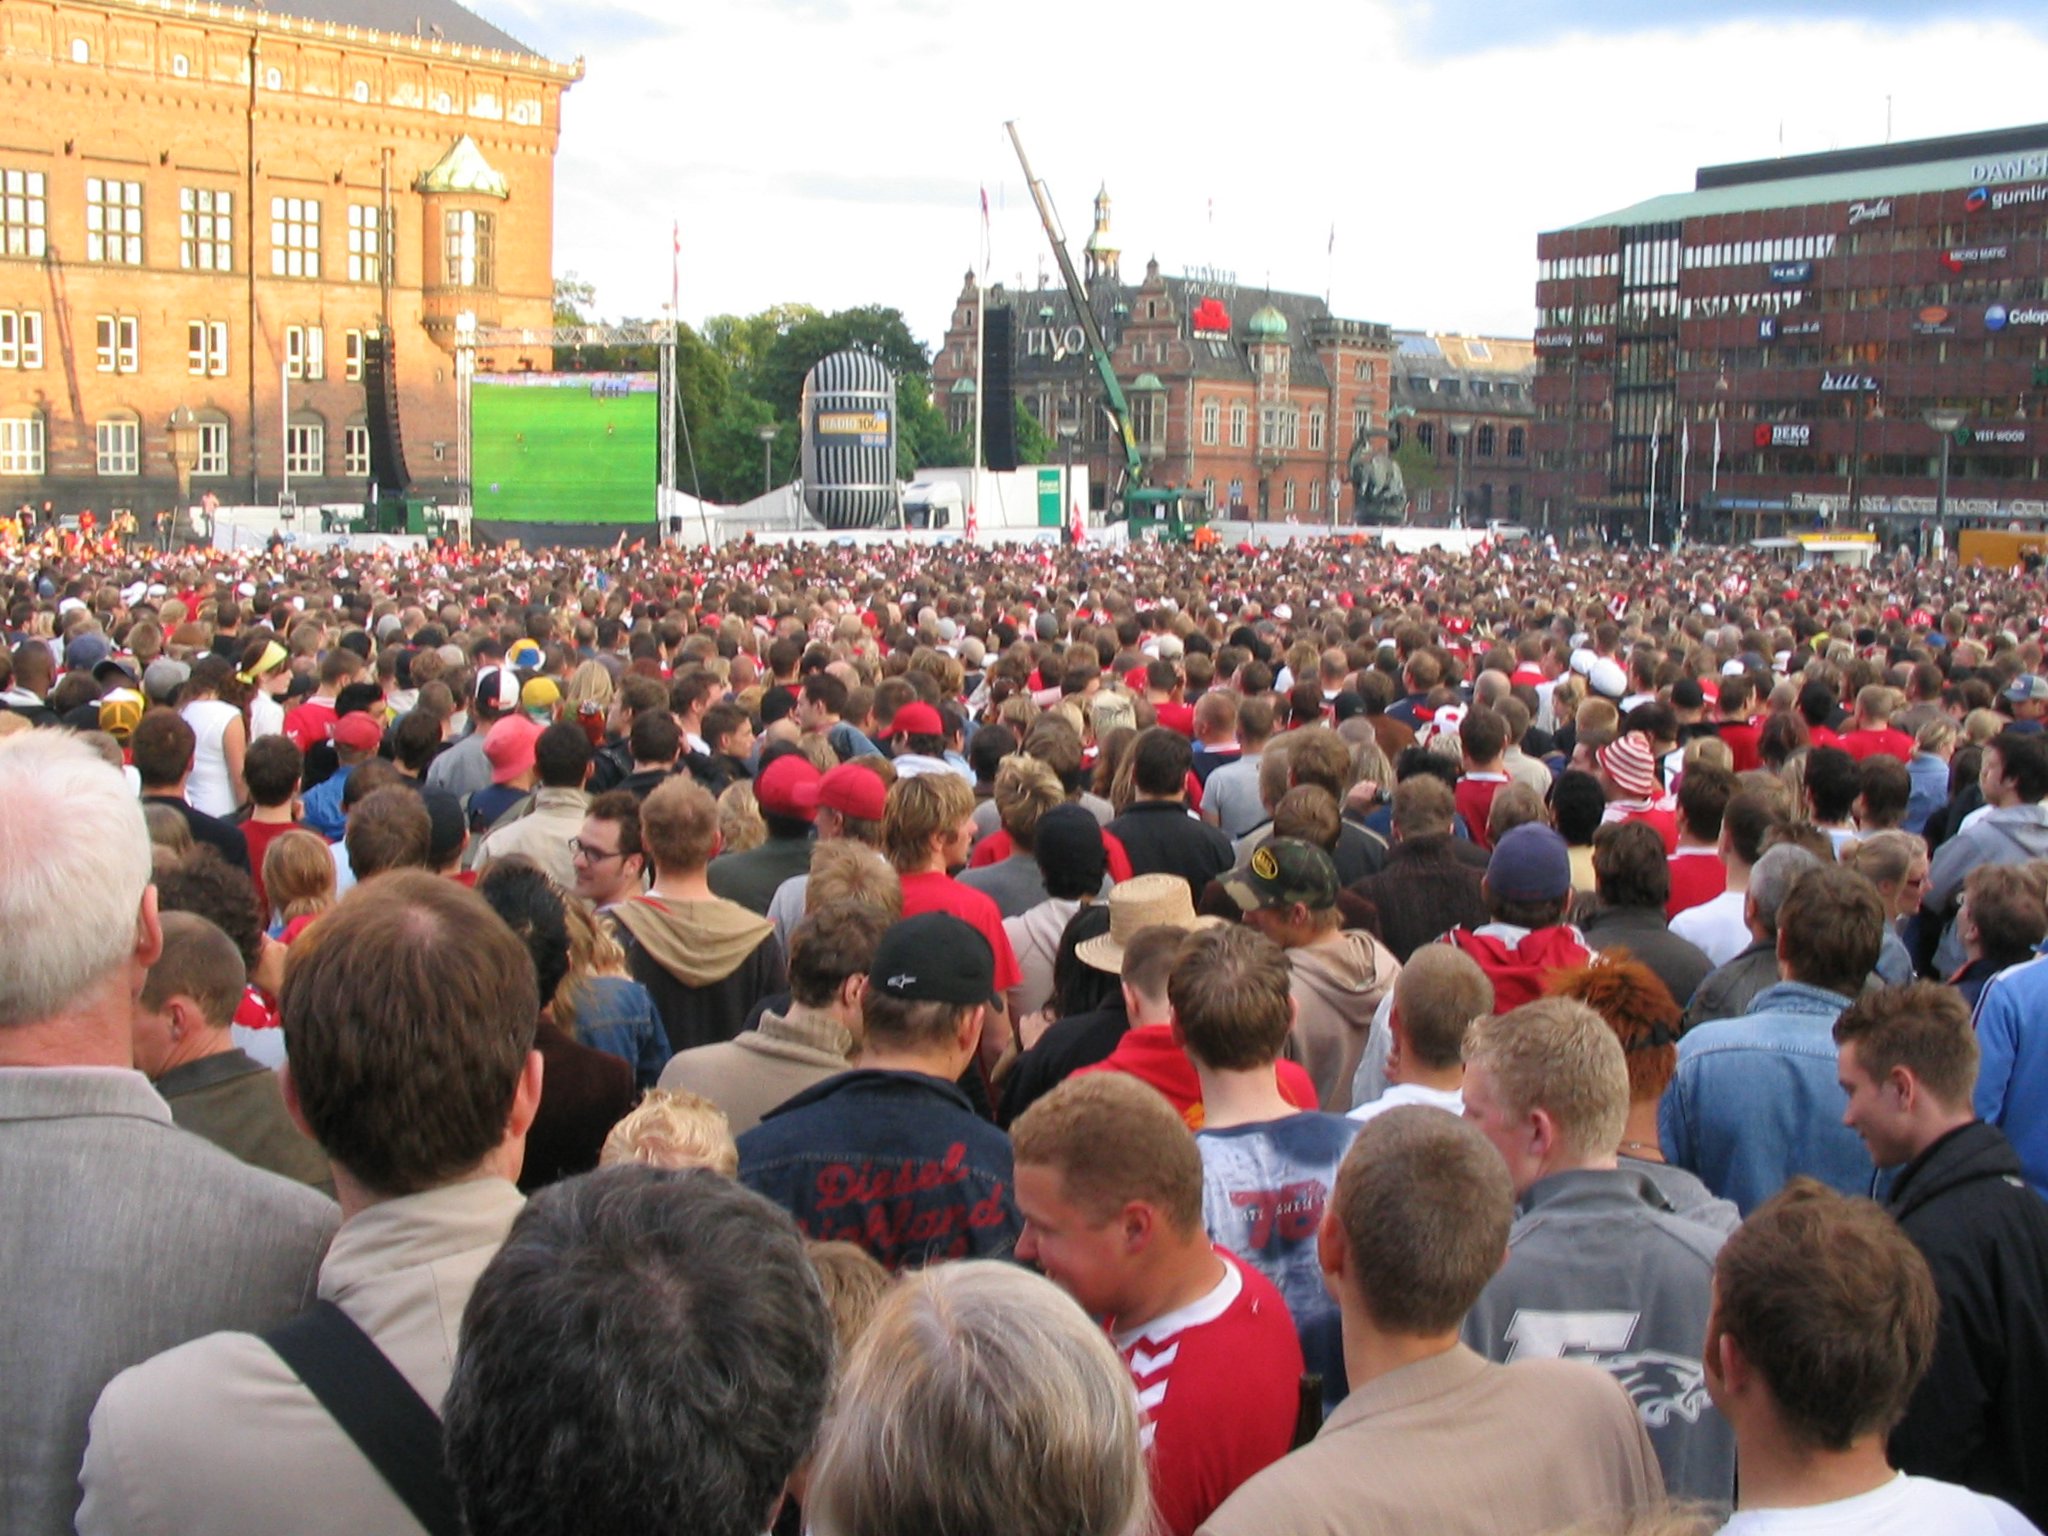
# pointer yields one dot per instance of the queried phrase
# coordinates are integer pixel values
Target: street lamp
(767, 436)
(1459, 427)
(1944, 423)
(1068, 430)
(183, 429)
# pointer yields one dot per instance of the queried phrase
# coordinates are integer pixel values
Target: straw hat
(1144, 901)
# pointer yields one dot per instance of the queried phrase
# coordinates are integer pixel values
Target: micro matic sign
(1973, 256)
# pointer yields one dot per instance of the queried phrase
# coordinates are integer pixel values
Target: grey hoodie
(2008, 836)
(1338, 986)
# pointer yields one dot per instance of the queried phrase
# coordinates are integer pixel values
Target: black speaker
(998, 393)
(380, 412)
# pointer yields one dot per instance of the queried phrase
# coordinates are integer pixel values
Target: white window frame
(353, 353)
(305, 352)
(1287, 496)
(21, 444)
(305, 449)
(117, 447)
(1316, 427)
(1212, 421)
(113, 222)
(116, 343)
(365, 242)
(206, 229)
(469, 248)
(206, 349)
(294, 237)
(1240, 423)
(21, 338)
(212, 463)
(24, 213)
(355, 451)
(1315, 494)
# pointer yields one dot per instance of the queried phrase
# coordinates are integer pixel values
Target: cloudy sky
(830, 151)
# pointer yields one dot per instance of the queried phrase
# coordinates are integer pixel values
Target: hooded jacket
(1980, 1416)
(704, 962)
(2011, 835)
(1517, 960)
(1337, 988)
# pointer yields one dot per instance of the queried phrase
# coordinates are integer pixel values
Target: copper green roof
(962, 387)
(1268, 322)
(465, 170)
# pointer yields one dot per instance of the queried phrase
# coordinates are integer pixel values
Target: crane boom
(1113, 393)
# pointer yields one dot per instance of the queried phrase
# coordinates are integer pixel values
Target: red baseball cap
(509, 747)
(915, 719)
(358, 732)
(789, 787)
(849, 789)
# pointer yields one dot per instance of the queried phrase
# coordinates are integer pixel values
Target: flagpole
(1684, 453)
(980, 369)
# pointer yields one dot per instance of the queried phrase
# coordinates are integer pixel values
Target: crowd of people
(1083, 1041)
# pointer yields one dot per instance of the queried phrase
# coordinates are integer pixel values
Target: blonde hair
(1980, 725)
(843, 870)
(854, 1284)
(679, 824)
(1025, 790)
(740, 823)
(298, 875)
(981, 1397)
(1559, 1054)
(593, 952)
(918, 810)
(590, 683)
(670, 1128)
(1711, 750)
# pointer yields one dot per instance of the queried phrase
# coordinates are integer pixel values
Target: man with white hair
(124, 1235)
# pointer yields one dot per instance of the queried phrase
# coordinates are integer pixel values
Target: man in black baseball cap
(891, 1155)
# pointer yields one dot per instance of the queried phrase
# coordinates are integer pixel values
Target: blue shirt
(321, 805)
(2012, 1068)
(1929, 776)
(1756, 1101)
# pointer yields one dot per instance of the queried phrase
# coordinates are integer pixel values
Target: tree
(1034, 446)
(742, 341)
(575, 300)
(1419, 467)
(797, 347)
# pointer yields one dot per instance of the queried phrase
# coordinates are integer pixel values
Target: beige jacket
(1455, 1446)
(1337, 988)
(763, 1068)
(219, 1436)
(542, 835)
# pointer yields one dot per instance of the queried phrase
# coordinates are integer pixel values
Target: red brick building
(206, 207)
(1255, 398)
(1786, 345)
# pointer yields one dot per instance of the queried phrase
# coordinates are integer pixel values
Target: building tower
(1102, 252)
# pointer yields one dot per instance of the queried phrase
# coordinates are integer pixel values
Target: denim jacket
(1756, 1100)
(896, 1162)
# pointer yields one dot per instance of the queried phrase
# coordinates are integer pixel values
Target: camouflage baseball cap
(1281, 872)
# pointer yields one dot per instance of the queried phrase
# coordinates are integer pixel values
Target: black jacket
(1163, 838)
(1980, 1418)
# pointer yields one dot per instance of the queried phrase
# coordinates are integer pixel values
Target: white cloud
(829, 152)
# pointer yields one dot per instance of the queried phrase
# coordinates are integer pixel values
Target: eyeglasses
(578, 849)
